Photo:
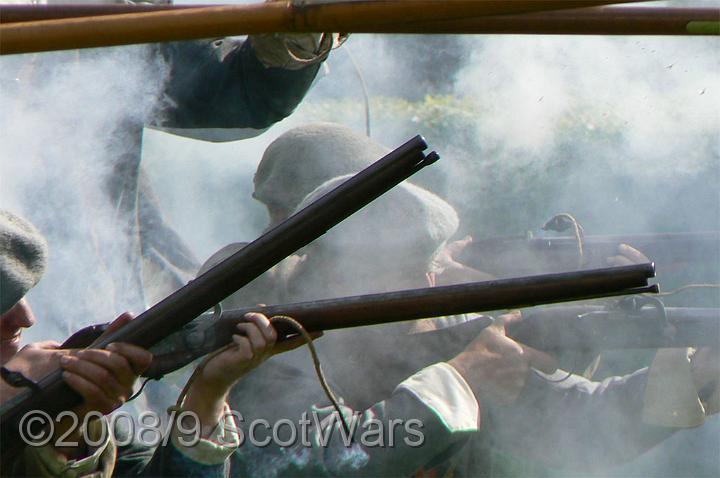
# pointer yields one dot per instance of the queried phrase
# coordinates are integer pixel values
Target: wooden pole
(11, 13)
(361, 16)
(587, 21)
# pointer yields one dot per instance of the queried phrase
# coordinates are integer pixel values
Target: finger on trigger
(460, 244)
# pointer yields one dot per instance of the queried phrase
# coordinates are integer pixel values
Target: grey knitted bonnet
(23, 253)
(303, 158)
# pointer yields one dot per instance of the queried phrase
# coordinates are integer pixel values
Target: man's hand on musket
(33, 361)
(105, 377)
(496, 367)
(627, 256)
(252, 345)
(446, 270)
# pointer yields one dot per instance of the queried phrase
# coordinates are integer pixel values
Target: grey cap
(23, 253)
(303, 158)
(407, 217)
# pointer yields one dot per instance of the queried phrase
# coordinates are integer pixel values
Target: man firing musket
(104, 379)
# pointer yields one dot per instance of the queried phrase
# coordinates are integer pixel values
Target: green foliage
(437, 117)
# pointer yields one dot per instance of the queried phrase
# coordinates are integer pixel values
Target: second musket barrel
(448, 300)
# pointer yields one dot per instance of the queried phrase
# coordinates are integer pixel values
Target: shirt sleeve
(572, 422)
(445, 392)
(216, 448)
(46, 461)
(427, 416)
(671, 399)
(220, 91)
(181, 457)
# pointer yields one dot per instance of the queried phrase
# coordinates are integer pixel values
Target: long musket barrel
(207, 334)
(594, 327)
(520, 255)
(582, 21)
(188, 302)
(361, 16)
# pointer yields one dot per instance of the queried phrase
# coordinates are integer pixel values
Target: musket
(52, 395)
(208, 332)
(361, 16)
(574, 334)
(635, 321)
(518, 255)
(631, 323)
(578, 21)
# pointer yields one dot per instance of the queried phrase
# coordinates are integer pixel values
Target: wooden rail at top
(12, 13)
(588, 21)
(361, 16)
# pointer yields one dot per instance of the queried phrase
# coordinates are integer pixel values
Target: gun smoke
(60, 113)
(624, 133)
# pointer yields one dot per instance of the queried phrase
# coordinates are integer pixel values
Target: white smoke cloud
(60, 111)
(660, 93)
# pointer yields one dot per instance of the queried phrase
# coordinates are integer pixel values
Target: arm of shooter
(205, 434)
(577, 423)
(588, 424)
(427, 417)
(222, 84)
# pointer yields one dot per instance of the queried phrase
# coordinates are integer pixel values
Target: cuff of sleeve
(291, 51)
(48, 462)
(215, 449)
(447, 394)
(671, 399)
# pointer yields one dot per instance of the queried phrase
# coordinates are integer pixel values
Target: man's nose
(22, 315)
